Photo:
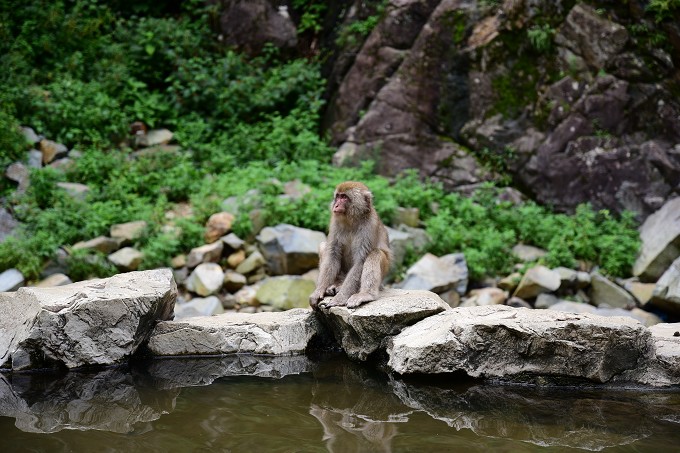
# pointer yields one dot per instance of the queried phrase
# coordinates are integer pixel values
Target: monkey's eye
(342, 196)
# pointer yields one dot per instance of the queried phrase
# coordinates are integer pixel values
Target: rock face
(361, 331)
(660, 235)
(289, 249)
(95, 322)
(667, 290)
(499, 341)
(281, 333)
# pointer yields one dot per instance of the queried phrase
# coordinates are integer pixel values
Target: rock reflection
(580, 418)
(109, 400)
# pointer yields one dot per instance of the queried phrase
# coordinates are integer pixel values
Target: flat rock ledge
(89, 323)
(364, 330)
(519, 344)
(278, 333)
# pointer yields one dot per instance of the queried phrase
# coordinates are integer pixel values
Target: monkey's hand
(316, 296)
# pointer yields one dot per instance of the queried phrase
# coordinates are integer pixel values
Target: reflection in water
(241, 403)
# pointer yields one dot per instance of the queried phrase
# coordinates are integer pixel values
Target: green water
(242, 404)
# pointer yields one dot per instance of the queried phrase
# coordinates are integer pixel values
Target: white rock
(206, 279)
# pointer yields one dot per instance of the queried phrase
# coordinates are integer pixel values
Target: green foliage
(83, 265)
(663, 9)
(354, 32)
(540, 37)
(311, 15)
(12, 142)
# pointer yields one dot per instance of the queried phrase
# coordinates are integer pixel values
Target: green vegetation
(540, 37)
(80, 72)
(663, 9)
(353, 33)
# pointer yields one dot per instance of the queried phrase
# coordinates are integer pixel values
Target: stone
(101, 244)
(75, 190)
(128, 232)
(572, 307)
(178, 261)
(18, 173)
(546, 300)
(667, 290)
(236, 258)
(361, 331)
(664, 370)
(52, 150)
(642, 292)
(155, 137)
(516, 302)
(432, 273)
(539, 279)
(660, 236)
(285, 292)
(54, 280)
(7, 224)
(205, 280)
(510, 282)
(218, 225)
(208, 253)
(516, 343)
(451, 297)
(199, 306)
(254, 261)
(277, 333)
(35, 159)
(571, 279)
(127, 259)
(94, 322)
(406, 239)
(11, 280)
(407, 216)
(527, 253)
(233, 281)
(289, 249)
(233, 242)
(605, 292)
(488, 296)
(296, 189)
(246, 296)
(29, 134)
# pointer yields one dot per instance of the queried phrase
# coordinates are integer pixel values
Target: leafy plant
(540, 37)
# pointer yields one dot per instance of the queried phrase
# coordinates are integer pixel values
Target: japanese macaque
(356, 257)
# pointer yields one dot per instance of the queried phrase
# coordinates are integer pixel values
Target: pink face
(340, 203)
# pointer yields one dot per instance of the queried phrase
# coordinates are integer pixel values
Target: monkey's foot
(357, 299)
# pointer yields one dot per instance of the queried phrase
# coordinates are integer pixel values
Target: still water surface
(243, 404)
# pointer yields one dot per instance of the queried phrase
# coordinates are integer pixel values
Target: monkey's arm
(329, 268)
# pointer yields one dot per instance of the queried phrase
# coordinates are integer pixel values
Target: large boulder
(608, 293)
(95, 322)
(437, 274)
(285, 292)
(277, 333)
(660, 235)
(667, 290)
(518, 343)
(362, 331)
(289, 249)
(664, 369)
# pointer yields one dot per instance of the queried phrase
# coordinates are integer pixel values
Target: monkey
(355, 258)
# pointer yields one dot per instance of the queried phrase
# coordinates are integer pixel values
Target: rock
(233, 242)
(199, 307)
(517, 343)
(52, 150)
(7, 224)
(126, 233)
(155, 137)
(18, 173)
(605, 292)
(642, 292)
(178, 261)
(54, 280)
(35, 159)
(95, 322)
(660, 236)
(407, 216)
(667, 290)
(451, 297)
(102, 244)
(568, 306)
(591, 36)
(11, 280)
(208, 253)
(406, 239)
(361, 331)
(285, 292)
(431, 273)
(126, 259)
(488, 296)
(206, 279)
(664, 370)
(236, 258)
(254, 261)
(279, 333)
(218, 225)
(246, 296)
(233, 281)
(516, 302)
(571, 279)
(528, 253)
(289, 249)
(539, 279)
(29, 134)
(296, 189)
(510, 282)
(249, 310)
(546, 300)
(74, 189)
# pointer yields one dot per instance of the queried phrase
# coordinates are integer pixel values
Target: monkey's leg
(329, 267)
(371, 278)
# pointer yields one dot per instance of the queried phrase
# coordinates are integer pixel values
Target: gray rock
(95, 322)
(155, 137)
(407, 216)
(514, 343)
(642, 292)
(58, 279)
(487, 296)
(432, 273)
(660, 235)
(126, 259)
(128, 232)
(254, 262)
(233, 281)
(645, 318)
(7, 224)
(664, 369)
(206, 279)
(572, 279)
(289, 249)
(233, 242)
(199, 306)
(403, 239)
(285, 292)
(74, 189)
(528, 252)
(546, 300)
(11, 280)
(667, 290)
(30, 135)
(516, 302)
(217, 226)
(539, 279)
(102, 244)
(362, 331)
(34, 158)
(568, 306)
(18, 173)
(296, 189)
(605, 292)
(280, 333)
(208, 253)
(52, 150)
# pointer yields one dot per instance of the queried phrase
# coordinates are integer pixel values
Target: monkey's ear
(368, 196)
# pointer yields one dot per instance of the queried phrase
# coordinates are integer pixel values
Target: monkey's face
(340, 203)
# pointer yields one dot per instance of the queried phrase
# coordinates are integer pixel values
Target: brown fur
(356, 257)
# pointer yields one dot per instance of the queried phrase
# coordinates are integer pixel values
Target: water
(243, 404)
